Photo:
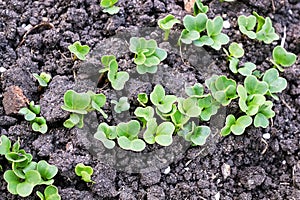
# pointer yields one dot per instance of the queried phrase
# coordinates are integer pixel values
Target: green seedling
(193, 27)
(265, 113)
(128, 136)
(109, 6)
(208, 107)
(214, 37)
(247, 25)
(166, 116)
(50, 193)
(254, 86)
(267, 33)
(195, 91)
(147, 54)
(85, 172)
(39, 124)
(143, 99)
(117, 79)
(236, 51)
(161, 134)
(144, 114)
(282, 58)
(80, 104)
(121, 105)
(80, 51)
(167, 23)
(260, 21)
(222, 89)
(236, 126)
(247, 69)
(199, 7)
(189, 107)
(106, 134)
(46, 171)
(275, 83)
(179, 119)
(197, 135)
(160, 100)
(5, 145)
(105, 60)
(43, 78)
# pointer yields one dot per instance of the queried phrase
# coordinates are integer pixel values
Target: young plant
(80, 51)
(167, 23)
(222, 89)
(199, 7)
(128, 136)
(193, 27)
(179, 119)
(117, 79)
(109, 6)
(282, 58)
(80, 104)
(236, 126)
(38, 124)
(197, 135)
(43, 78)
(247, 69)
(214, 37)
(106, 134)
(50, 193)
(267, 33)
(162, 101)
(208, 107)
(246, 25)
(144, 114)
(147, 54)
(85, 172)
(189, 107)
(5, 145)
(275, 83)
(263, 115)
(236, 51)
(161, 134)
(195, 91)
(121, 105)
(143, 99)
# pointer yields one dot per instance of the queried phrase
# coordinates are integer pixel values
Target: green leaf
(50, 193)
(32, 178)
(219, 40)
(267, 32)
(151, 61)
(187, 37)
(160, 100)
(199, 7)
(112, 10)
(149, 134)
(79, 50)
(233, 65)
(196, 90)
(189, 107)
(144, 113)
(179, 119)
(5, 145)
(167, 22)
(142, 98)
(241, 124)
(276, 84)
(164, 134)
(261, 120)
(208, 106)
(76, 102)
(197, 23)
(85, 172)
(247, 69)
(260, 21)
(121, 105)
(142, 69)
(200, 135)
(108, 3)
(72, 121)
(254, 86)
(46, 170)
(130, 129)
(246, 25)
(282, 57)
(236, 50)
(214, 27)
(203, 40)
(106, 134)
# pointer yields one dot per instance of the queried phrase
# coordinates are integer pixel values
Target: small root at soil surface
(46, 24)
(266, 147)
(273, 6)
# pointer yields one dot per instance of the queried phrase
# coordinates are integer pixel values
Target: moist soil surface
(34, 36)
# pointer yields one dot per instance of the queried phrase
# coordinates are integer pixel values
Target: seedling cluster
(38, 124)
(43, 78)
(25, 174)
(85, 172)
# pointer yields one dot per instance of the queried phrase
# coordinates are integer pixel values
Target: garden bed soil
(235, 167)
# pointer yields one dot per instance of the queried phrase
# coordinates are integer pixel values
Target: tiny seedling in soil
(275, 83)
(189, 107)
(80, 51)
(117, 79)
(147, 54)
(199, 7)
(196, 91)
(197, 135)
(85, 172)
(246, 25)
(208, 106)
(127, 134)
(282, 58)
(109, 6)
(162, 101)
(50, 193)
(247, 69)
(179, 119)
(222, 89)
(167, 23)
(236, 126)
(144, 114)
(143, 99)
(236, 51)
(121, 105)
(106, 134)
(161, 134)
(263, 115)
(43, 78)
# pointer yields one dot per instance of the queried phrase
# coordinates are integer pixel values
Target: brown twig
(47, 24)
(273, 6)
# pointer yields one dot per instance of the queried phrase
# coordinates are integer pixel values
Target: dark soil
(242, 168)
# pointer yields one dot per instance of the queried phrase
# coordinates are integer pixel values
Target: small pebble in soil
(226, 24)
(167, 170)
(225, 168)
(14, 100)
(266, 136)
(2, 69)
